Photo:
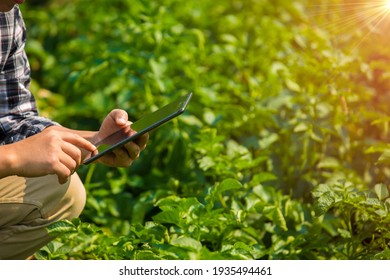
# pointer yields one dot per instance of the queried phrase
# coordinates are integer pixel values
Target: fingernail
(122, 121)
(137, 151)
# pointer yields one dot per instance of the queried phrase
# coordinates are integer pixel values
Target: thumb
(119, 116)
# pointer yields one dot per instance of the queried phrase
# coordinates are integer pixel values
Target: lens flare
(370, 17)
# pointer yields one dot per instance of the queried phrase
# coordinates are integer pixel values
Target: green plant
(277, 157)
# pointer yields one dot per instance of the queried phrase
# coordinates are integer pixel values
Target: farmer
(38, 157)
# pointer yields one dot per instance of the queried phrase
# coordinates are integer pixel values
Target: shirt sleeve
(19, 116)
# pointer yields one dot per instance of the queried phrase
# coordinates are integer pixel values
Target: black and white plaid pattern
(18, 112)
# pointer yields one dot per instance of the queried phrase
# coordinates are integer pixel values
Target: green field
(283, 152)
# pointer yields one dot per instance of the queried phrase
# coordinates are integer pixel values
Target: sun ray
(350, 24)
(353, 17)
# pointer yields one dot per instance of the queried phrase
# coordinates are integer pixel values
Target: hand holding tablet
(142, 126)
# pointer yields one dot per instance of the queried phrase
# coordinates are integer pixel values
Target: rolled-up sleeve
(19, 116)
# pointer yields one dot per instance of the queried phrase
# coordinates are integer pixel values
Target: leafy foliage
(282, 154)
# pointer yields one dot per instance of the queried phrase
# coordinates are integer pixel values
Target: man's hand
(53, 151)
(118, 120)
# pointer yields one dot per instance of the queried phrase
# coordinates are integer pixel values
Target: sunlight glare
(369, 17)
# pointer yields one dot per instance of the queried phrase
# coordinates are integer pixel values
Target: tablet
(143, 125)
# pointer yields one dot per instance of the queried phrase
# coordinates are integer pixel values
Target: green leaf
(168, 216)
(243, 251)
(228, 184)
(187, 242)
(200, 37)
(324, 203)
(264, 177)
(268, 140)
(62, 226)
(387, 202)
(384, 255)
(145, 255)
(329, 162)
(205, 163)
(279, 219)
(384, 158)
(381, 191)
(344, 233)
(320, 190)
(291, 85)
(275, 214)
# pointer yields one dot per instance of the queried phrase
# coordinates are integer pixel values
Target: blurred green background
(282, 153)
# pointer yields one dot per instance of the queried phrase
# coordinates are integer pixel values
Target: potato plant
(282, 154)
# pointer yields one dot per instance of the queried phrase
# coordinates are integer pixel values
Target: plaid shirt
(18, 112)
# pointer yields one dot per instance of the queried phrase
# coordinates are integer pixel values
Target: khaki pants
(29, 205)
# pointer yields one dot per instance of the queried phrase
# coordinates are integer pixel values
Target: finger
(142, 141)
(72, 156)
(127, 129)
(119, 117)
(62, 171)
(132, 149)
(79, 141)
(122, 157)
(62, 179)
(116, 159)
(108, 159)
(86, 154)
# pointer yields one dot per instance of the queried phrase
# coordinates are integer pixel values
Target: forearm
(6, 162)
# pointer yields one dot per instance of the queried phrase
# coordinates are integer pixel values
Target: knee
(29, 205)
(74, 199)
(56, 202)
